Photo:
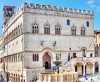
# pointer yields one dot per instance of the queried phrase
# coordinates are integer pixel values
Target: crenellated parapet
(58, 9)
(49, 10)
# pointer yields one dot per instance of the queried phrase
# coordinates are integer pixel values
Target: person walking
(1, 79)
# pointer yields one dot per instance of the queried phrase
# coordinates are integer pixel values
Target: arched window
(87, 23)
(35, 28)
(96, 67)
(57, 29)
(47, 28)
(83, 31)
(91, 55)
(68, 22)
(35, 57)
(73, 30)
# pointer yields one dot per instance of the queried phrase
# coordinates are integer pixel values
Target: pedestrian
(92, 80)
(2, 79)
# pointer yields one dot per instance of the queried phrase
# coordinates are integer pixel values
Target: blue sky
(80, 4)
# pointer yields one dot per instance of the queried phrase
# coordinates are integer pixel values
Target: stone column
(84, 70)
(49, 78)
(93, 68)
(61, 78)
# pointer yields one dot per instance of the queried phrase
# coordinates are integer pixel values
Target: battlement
(54, 11)
(55, 8)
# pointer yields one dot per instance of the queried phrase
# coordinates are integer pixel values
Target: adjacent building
(38, 35)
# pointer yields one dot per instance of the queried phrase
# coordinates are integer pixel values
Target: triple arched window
(83, 31)
(73, 30)
(35, 57)
(47, 28)
(57, 29)
(35, 28)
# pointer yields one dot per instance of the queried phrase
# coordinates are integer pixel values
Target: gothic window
(91, 55)
(47, 28)
(58, 29)
(83, 31)
(35, 28)
(73, 30)
(87, 24)
(68, 22)
(35, 57)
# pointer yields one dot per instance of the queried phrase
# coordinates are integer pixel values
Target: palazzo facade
(38, 35)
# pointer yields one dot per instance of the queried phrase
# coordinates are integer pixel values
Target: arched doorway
(96, 67)
(79, 69)
(46, 61)
(89, 68)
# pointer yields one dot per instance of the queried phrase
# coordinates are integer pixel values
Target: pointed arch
(35, 28)
(46, 28)
(83, 31)
(73, 30)
(58, 29)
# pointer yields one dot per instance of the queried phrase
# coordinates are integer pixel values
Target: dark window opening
(57, 31)
(76, 68)
(68, 22)
(74, 55)
(87, 23)
(91, 55)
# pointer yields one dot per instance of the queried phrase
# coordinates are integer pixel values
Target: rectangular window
(74, 55)
(58, 56)
(83, 53)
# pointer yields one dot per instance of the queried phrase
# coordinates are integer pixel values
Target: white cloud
(91, 1)
(93, 4)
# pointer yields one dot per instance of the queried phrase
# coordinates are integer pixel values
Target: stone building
(37, 35)
(97, 38)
